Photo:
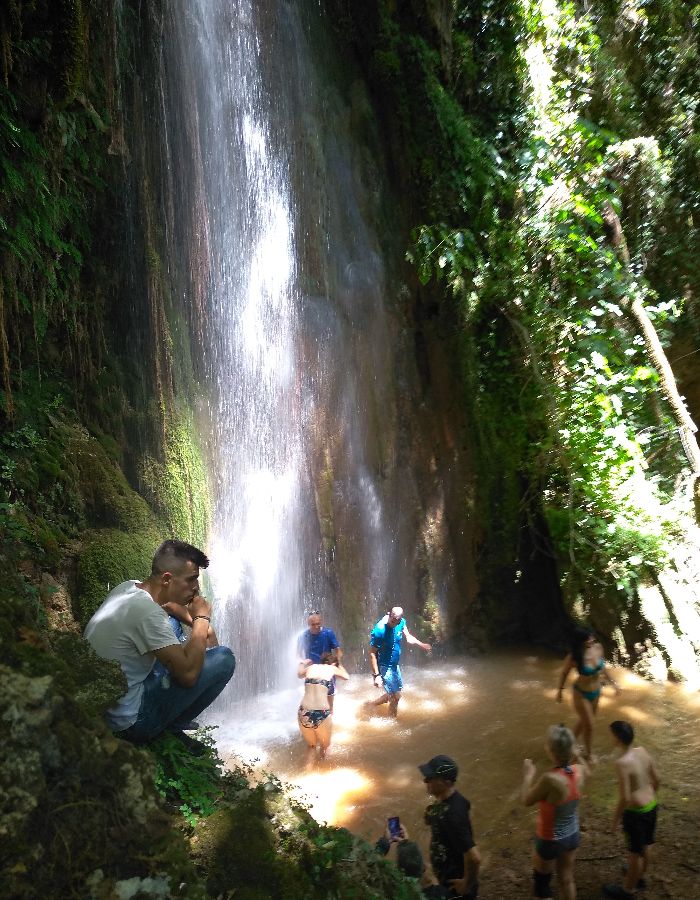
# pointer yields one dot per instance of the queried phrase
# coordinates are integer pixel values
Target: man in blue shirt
(316, 641)
(385, 653)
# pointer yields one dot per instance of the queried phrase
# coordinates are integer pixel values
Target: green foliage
(284, 853)
(446, 159)
(191, 783)
(50, 179)
(547, 344)
(342, 865)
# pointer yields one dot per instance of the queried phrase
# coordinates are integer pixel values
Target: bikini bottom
(591, 696)
(312, 718)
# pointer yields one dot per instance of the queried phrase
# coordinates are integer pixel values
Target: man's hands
(381, 683)
(396, 838)
(200, 606)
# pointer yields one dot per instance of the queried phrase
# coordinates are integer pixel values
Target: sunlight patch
(323, 792)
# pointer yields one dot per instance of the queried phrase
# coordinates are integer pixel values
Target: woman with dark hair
(557, 793)
(586, 657)
(315, 722)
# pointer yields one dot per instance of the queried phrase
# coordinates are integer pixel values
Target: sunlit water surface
(488, 713)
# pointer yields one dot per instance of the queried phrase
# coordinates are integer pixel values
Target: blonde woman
(315, 714)
(557, 792)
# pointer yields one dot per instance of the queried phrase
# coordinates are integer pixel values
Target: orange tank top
(560, 820)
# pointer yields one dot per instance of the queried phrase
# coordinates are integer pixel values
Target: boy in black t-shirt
(453, 853)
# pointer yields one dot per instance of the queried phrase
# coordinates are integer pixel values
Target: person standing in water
(638, 783)
(587, 657)
(385, 653)
(316, 641)
(314, 716)
(557, 792)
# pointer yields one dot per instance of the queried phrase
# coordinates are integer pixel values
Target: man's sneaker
(616, 890)
(195, 747)
(193, 725)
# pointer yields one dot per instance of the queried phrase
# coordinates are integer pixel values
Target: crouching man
(132, 627)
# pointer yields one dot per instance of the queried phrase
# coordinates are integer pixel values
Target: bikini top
(322, 681)
(592, 670)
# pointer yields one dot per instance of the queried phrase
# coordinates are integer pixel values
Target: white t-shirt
(128, 627)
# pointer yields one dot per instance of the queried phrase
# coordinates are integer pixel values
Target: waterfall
(278, 222)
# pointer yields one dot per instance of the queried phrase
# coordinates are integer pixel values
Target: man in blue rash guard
(385, 653)
(316, 641)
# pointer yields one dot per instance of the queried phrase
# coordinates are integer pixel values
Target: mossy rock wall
(77, 805)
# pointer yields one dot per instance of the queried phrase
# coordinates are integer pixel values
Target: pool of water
(488, 713)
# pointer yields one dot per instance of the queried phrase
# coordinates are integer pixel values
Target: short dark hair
(173, 553)
(623, 731)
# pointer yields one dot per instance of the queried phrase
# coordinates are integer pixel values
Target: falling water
(279, 330)
(307, 363)
(252, 307)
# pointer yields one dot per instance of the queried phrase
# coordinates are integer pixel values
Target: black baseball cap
(440, 767)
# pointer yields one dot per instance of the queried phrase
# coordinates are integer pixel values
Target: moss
(94, 684)
(177, 487)
(108, 499)
(286, 854)
(109, 557)
(252, 867)
(78, 805)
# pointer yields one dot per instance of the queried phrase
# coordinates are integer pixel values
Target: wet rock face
(58, 604)
(26, 712)
(74, 800)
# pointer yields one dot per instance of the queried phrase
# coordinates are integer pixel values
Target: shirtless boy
(636, 808)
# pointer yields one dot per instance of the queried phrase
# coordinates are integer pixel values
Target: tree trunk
(634, 308)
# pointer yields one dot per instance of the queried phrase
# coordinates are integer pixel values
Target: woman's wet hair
(578, 640)
(330, 658)
(623, 731)
(561, 741)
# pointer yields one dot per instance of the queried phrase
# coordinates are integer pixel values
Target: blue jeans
(165, 705)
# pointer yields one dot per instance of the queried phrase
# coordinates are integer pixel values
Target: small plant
(192, 783)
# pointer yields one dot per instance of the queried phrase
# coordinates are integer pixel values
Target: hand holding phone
(394, 828)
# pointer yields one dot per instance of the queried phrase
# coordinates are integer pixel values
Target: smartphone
(394, 827)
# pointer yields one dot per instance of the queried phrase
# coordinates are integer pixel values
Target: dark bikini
(312, 718)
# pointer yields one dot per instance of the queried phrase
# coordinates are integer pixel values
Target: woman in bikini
(315, 721)
(587, 658)
(557, 792)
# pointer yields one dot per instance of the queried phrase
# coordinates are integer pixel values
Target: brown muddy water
(489, 713)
